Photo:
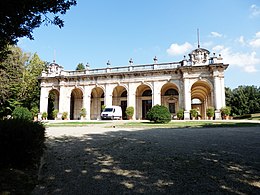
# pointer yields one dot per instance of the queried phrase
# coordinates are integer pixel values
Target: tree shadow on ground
(154, 161)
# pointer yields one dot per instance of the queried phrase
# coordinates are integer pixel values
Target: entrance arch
(143, 101)
(170, 98)
(201, 97)
(120, 99)
(53, 102)
(97, 101)
(76, 103)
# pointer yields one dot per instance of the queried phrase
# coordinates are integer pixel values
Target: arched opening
(170, 98)
(201, 97)
(97, 102)
(53, 103)
(143, 101)
(76, 103)
(120, 99)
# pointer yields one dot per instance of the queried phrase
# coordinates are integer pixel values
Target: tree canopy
(243, 100)
(80, 66)
(19, 74)
(18, 18)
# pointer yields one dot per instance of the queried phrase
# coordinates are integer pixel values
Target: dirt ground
(98, 160)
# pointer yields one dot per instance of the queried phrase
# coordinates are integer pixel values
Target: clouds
(255, 43)
(216, 34)
(176, 49)
(245, 60)
(255, 11)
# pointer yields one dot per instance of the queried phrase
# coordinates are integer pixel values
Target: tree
(19, 74)
(80, 66)
(19, 18)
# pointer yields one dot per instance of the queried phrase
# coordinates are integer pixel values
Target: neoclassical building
(196, 82)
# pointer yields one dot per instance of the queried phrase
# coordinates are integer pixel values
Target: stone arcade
(194, 83)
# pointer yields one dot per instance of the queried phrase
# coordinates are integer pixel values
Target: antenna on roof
(54, 55)
(198, 36)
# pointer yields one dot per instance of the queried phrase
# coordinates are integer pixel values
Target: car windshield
(108, 110)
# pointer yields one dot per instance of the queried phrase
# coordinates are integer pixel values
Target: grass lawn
(73, 123)
(188, 124)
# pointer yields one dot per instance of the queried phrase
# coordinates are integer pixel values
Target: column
(64, 102)
(108, 95)
(217, 97)
(156, 93)
(87, 101)
(223, 95)
(131, 97)
(187, 99)
(43, 101)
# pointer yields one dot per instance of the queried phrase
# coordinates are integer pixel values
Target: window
(172, 107)
(171, 92)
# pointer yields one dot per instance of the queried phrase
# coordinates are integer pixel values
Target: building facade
(197, 82)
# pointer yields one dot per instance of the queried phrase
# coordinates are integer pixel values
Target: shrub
(55, 113)
(22, 113)
(129, 111)
(210, 111)
(21, 143)
(83, 112)
(34, 111)
(65, 115)
(194, 113)
(180, 114)
(225, 111)
(44, 115)
(159, 114)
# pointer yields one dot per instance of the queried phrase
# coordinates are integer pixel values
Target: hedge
(21, 143)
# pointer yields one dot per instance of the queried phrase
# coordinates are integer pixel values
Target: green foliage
(129, 111)
(103, 107)
(65, 115)
(35, 111)
(159, 114)
(20, 17)
(225, 111)
(22, 113)
(194, 113)
(210, 111)
(243, 100)
(19, 74)
(44, 115)
(55, 113)
(83, 112)
(21, 143)
(80, 66)
(180, 114)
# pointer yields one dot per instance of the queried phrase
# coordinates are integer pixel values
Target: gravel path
(98, 160)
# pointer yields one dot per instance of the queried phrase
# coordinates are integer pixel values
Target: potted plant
(180, 114)
(225, 112)
(129, 112)
(193, 113)
(64, 116)
(210, 112)
(34, 112)
(103, 107)
(44, 115)
(83, 113)
(55, 113)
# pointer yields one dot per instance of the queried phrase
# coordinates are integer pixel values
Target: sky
(117, 30)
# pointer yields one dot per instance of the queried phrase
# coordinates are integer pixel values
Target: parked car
(112, 112)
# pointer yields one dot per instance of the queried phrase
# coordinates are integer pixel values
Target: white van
(112, 112)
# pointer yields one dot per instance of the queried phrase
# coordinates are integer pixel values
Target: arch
(143, 100)
(76, 103)
(96, 103)
(170, 97)
(53, 102)
(119, 98)
(201, 96)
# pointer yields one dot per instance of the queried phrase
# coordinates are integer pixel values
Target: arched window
(147, 93)
(124, 94)
(171, 92)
